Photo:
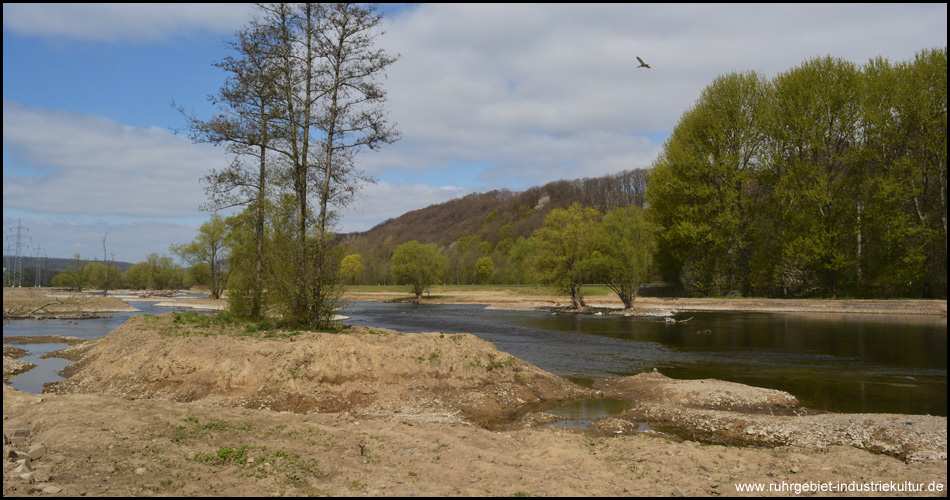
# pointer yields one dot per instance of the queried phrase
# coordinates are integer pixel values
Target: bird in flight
(642, 64)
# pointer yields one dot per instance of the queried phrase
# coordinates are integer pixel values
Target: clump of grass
(226, 455)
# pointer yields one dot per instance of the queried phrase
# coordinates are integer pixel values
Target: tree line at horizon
(828, 180)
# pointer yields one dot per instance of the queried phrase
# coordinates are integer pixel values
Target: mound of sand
(371, 372)
(730, 413)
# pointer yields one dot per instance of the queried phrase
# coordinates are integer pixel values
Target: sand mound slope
(372, 372)
(730, 413)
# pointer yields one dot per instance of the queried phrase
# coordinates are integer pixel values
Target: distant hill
(499, 214)
(48, 267)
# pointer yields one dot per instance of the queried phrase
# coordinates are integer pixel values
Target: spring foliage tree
(302, 100)
(827, 180)
(418, 266)
(627, 247)
(569, 249)
(208, 254)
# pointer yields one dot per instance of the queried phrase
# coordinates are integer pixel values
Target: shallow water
(838, 362)
(580, 413)
(47, 370)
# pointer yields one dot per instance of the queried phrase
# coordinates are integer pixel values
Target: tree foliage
(568, 245)
(628, 246)
(207, 254)
(827, 180)
(417, 265)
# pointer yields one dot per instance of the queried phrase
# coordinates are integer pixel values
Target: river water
(47, 370)
(837, 362)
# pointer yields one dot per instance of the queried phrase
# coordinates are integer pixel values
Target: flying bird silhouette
(642, 64)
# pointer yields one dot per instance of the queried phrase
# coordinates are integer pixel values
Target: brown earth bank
(520, 299)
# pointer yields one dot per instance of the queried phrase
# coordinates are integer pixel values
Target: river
(837, 362)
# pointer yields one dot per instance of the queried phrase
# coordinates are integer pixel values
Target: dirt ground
(165, 406)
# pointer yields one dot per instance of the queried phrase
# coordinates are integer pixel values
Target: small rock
(714, 484)
(22, 467)
(19, 432)
(37, 451)
(140, 471)
(795, 470)
(52, 490)
(677, 492)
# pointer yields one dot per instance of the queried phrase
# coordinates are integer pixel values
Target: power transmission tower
(16, 277)
(38, 278)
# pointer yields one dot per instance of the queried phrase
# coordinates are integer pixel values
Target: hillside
(48, 267)
(499, 215)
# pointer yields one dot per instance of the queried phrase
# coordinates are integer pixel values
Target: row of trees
(157, 272)
(829, 179)
(574, 247)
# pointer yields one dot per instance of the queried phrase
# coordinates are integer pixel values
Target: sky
(485, 96)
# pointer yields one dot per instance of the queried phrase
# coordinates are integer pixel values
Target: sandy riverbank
(159, 408)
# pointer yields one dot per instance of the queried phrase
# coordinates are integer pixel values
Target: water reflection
(838, 362)
(579, 414)
(46, 370)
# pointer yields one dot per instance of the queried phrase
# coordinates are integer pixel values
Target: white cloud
(92, 165)
(548, 91)
(122, 21)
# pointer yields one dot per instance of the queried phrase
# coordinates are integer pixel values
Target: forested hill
(499, 215)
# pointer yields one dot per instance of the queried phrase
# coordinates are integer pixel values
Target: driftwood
(670, 321)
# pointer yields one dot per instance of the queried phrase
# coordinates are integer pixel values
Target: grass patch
(226, 455)
(191, 323)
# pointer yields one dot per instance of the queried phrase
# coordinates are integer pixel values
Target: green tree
(248, 123)
(102, 276)
(163, 273)
(484, 269)
(210, 250)
(524, 260)
(568, 249)
(629, 242)
(813, 124)
(76, 275)
(137, 276)
(352, 268)
(703, 189)
(417, 265)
